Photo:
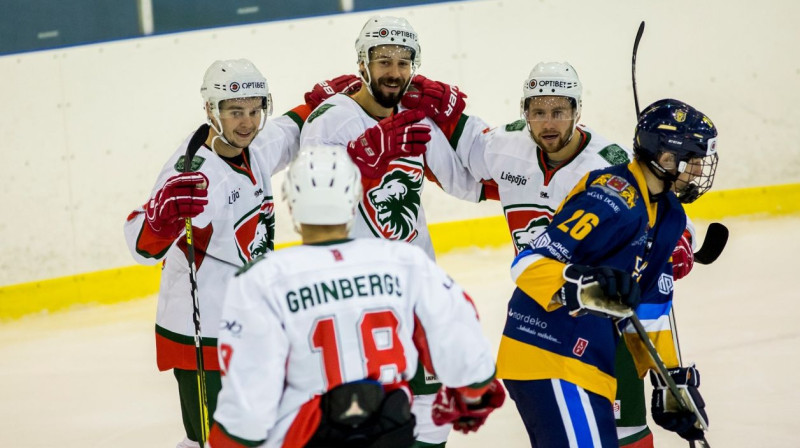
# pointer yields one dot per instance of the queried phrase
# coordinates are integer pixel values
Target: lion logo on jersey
(255, 232)
(523, 237)
(396, 203)
(264, 231)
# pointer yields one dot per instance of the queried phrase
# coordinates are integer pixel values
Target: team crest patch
(392, 207)
(318, 111)
(619, 187)
(526, 223)
(255, 232)
(614, 155)
(197, 162)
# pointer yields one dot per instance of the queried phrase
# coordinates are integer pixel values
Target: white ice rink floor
(87, 378)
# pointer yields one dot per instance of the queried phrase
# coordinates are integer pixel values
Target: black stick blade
(633, 67)
(716, 239)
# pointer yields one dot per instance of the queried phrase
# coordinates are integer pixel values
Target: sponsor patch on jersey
(318, 111)
(515, 126)
(197, 162)
(614, 155)
(617, 186)
(580, 347)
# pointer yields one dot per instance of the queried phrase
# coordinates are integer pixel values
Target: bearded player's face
(390, 68)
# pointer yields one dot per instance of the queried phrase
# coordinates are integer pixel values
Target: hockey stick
(633, 67)
(713, 244)
(195, 143)
(664, 374)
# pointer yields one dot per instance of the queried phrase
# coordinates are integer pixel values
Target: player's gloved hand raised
(326, 89)
(665, 411)
(603, 291)
(466, 415)
(441, 102)
(397, 136)
(683, 256)
(182, 196)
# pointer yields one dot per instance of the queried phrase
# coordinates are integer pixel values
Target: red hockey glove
(396, 136)
(441, 102)
(326, 89)
(182, 196)
(683, 257)
(450, 406)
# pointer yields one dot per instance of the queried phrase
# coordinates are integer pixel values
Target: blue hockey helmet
(672, 126)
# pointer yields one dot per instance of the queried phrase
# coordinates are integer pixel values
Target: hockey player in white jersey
(229, 195)
(318, 342)
(388, 56)
(393, 101)
(534, 163)
(536, 160)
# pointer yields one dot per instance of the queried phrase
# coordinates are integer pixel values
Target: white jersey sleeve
(471, 152)
(255, 373)
(276, 144)
(443, 163)
(460, 353)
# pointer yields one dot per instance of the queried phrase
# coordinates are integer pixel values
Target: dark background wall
(30, 25)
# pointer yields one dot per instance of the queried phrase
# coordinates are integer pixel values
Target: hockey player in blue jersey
(616, 229)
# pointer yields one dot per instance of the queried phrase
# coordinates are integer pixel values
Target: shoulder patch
(618, 186)
(515, 126)
(614, 155)
(197, 162)
(318, 111)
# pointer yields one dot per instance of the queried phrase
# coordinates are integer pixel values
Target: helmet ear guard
(675, 127)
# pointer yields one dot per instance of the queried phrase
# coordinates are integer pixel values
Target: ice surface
(87, 378)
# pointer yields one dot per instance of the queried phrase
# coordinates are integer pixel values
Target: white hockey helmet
(552, 79)
(322, 186)
(231, 79)
(388, 30)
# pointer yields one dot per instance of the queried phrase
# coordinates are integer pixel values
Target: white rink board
(87, 378)
(86, 129)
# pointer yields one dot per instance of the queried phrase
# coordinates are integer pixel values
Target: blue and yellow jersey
(607, 220)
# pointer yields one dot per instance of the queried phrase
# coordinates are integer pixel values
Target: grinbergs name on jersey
(371, 285)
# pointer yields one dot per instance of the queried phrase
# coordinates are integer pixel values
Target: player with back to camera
(319, 341)
(617, 228)
(228, 193)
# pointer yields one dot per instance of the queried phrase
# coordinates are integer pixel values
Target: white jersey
(529, 190)
(237, 225)
(391, 207)
(305, 319)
